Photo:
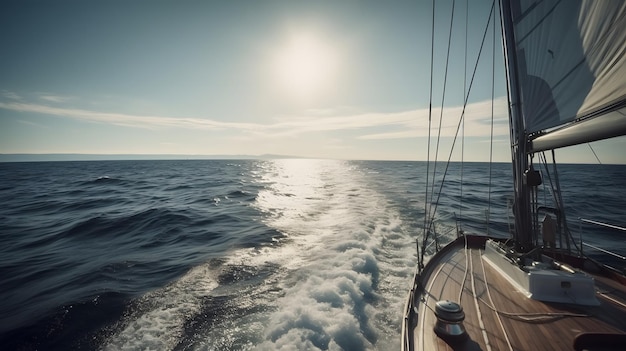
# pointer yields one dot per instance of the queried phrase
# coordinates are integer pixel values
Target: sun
(305, 66)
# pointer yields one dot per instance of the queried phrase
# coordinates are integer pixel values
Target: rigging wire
(558, 200)
(420, 258)
(462, 154)
(493, 82)
(544, 161)
(594, 153)
(463, 122)
(443, 99)
(460, 120)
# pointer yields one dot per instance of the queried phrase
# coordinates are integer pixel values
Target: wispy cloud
(54, 98)
(10, 95)
(30, 123)
(47, 97)
(127, 120)
(477, 121)
(396, 125)
(306, 123)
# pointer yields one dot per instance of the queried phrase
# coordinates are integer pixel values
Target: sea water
(243, 254)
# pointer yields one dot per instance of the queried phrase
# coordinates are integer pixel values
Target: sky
(346, 79)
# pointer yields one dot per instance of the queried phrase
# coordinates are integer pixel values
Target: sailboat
(565, 64)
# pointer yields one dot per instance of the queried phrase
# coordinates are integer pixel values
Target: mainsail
(571, 62)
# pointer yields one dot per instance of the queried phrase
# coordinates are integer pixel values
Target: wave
(262, 255)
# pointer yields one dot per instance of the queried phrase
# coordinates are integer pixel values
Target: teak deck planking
(484, 289)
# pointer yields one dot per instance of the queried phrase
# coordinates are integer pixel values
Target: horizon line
(80, 157)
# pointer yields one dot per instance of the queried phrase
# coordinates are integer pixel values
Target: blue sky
(331, 79)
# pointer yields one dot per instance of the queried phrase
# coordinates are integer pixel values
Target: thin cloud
(10, 95)
(127, 120)
(398, 125)
(477, 119)
(55, 98)
(307, 124)
(293, 125)
(32, 124)
(392, 135)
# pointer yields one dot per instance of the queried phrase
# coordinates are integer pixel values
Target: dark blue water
(236, 255)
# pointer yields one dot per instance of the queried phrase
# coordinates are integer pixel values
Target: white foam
(158, 322)
(337, 280)
(353, 260)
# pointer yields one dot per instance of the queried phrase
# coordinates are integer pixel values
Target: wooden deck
(520, 323)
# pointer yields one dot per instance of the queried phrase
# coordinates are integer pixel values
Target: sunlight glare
(305, 66)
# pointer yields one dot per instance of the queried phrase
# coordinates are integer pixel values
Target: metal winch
(450, 318)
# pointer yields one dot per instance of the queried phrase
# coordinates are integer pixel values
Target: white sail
(571, 58)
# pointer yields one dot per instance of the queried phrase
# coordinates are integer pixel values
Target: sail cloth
(571, 58)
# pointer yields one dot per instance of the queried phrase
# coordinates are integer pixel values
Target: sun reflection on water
(340, 263)
(299, 188)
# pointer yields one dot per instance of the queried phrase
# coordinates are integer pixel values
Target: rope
(466, 269)
(480, 316)
(541, 317)
(506, 337)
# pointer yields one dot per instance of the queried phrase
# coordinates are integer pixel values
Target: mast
(565, 69)
(519, 145)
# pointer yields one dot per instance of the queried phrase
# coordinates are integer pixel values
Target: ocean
(282, 254)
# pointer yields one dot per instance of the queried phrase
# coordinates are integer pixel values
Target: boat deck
(500, 317)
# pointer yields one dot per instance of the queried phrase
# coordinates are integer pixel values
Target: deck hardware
(450, 318)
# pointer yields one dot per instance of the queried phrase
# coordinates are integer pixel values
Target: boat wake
(333, 279)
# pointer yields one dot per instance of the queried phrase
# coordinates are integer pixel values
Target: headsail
(571, 58)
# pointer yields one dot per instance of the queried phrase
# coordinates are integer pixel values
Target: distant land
(121, 157)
